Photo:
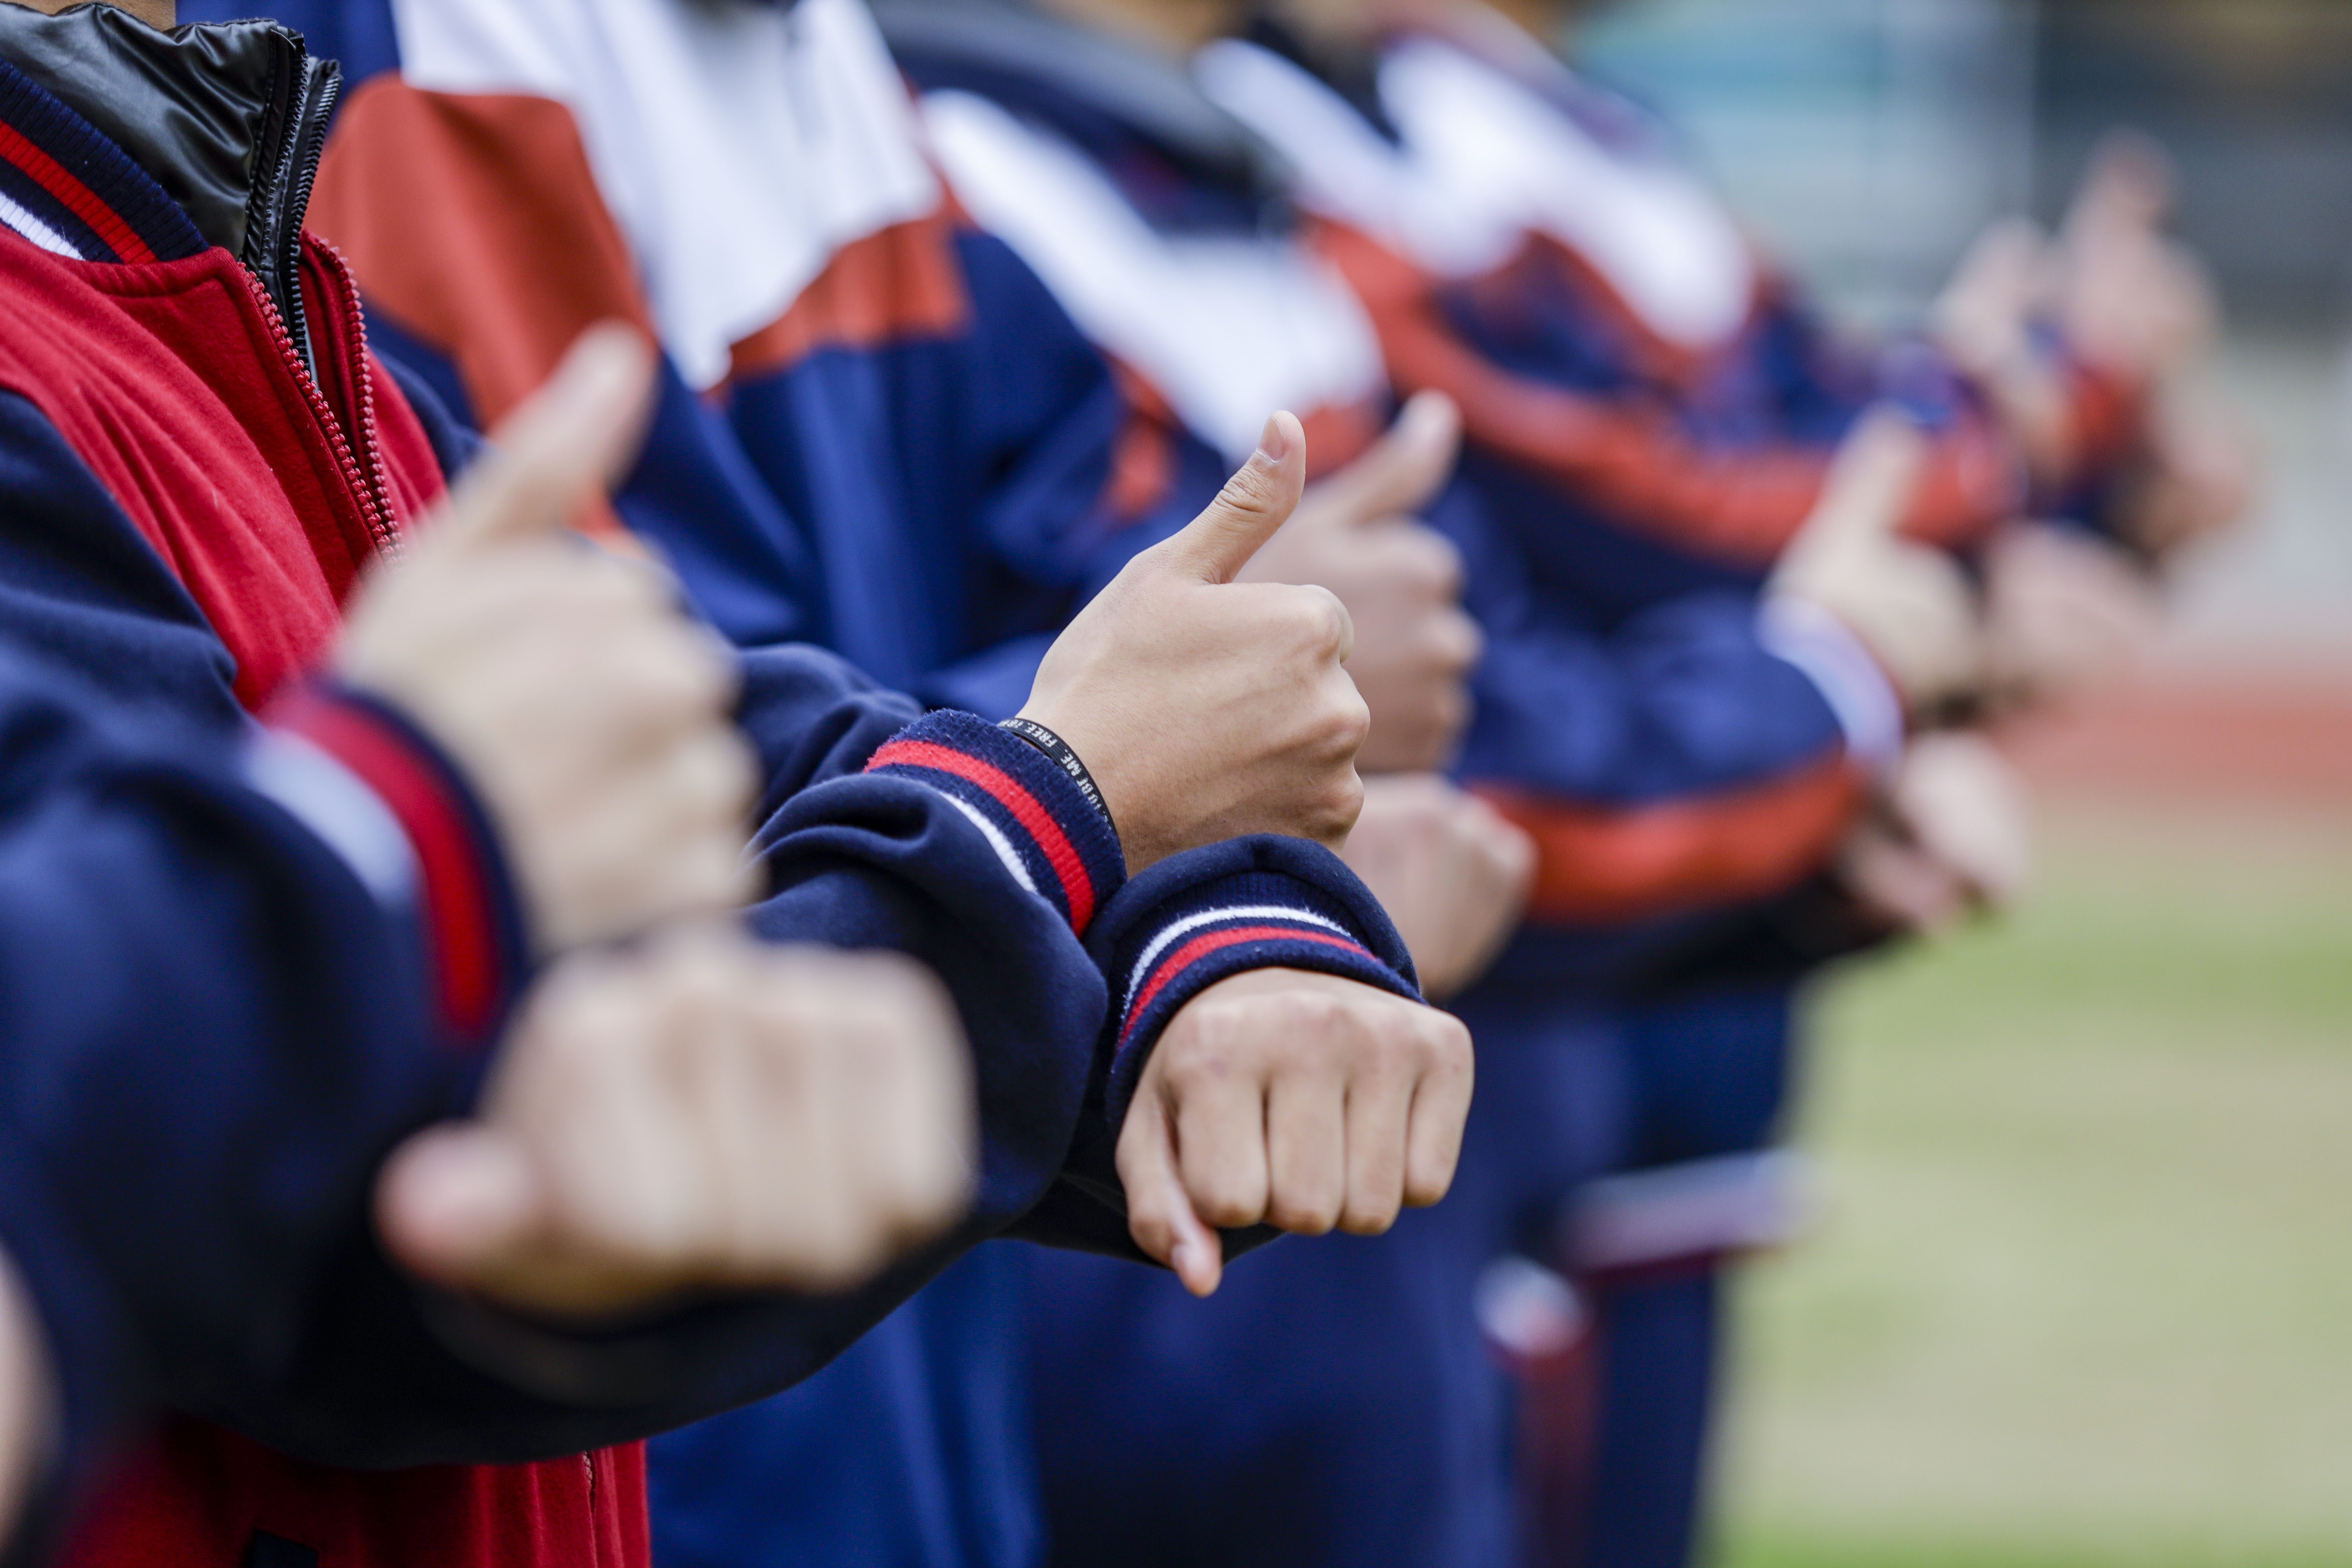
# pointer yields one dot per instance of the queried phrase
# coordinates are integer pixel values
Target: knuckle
(1307, 1213)
(1321, 620)
(1228, 1207)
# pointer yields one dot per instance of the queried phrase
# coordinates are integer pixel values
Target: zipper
(366, 486)
(302, 98)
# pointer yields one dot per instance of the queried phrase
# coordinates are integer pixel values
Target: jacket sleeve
(1697, 754)
(1628, 453)
(234, 968)
(941, 836)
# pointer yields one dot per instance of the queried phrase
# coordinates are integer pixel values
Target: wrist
(1050, 835)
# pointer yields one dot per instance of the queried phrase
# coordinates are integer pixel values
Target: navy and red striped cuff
(1054, 840)
(1258, 903)
(465, 896)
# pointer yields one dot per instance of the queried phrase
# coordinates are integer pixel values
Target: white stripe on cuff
(1797, 631)
(1159, 944)
(336, 805)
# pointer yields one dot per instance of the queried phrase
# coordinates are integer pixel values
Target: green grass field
(2082, 1293)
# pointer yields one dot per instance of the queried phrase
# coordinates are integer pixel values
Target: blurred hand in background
(1948, 836)
(1451, 871)
(1357, 532)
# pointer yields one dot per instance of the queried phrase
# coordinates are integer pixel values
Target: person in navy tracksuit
(1675, 765)
(1649, 409)
(203, 451)
(877, 430)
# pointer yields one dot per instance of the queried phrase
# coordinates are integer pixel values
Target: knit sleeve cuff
(1849, 678)
(1051, 837)
(1249, 903)
(378, 791)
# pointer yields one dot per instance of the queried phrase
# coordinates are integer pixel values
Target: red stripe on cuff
(79, 199)
(1077, 886)
(1202, 946)
(459, 917)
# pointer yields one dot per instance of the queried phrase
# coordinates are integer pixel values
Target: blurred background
(2082, 1294)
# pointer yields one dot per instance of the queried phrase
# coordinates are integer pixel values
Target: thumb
(1403, 468)
(1159, 1211)
(1871, 486)
(1258, 499)
(455, 1200)
(574, 436)
(2129, 188)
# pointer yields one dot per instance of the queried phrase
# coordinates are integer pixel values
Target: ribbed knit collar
(74, 191)
(119, 140)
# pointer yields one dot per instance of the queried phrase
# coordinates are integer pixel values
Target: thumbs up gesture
(588, 712)
(1908, 605)
(1356, 534)
(1207, 707)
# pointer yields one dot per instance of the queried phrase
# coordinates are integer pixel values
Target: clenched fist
(2063, 611)
(1205, 708)
(1356, 534)
(1291, 1098)
(1948, 836)
(1452, 873)
(588, 713)
(714, 1114)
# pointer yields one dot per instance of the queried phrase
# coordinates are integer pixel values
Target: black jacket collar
(228, 119)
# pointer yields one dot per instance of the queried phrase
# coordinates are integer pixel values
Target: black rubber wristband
(1058, 751)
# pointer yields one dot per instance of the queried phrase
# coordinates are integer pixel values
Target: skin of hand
(1207, 708)
(589, 712)
(2126, 297)
(161, 14)
(24, 1398)
(1984, 321)
(1951, 836)
(2063, 611)
(709, 1112)
(1356, 534)
(1449, 869)
(1298, 1099)
(2198, 481)
(1909, 604)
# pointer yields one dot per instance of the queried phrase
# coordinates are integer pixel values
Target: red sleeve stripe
(460, 919)
(77, 197)
(1077, 886)
(1200, 946)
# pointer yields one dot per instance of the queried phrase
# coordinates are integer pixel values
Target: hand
(1984, 321)
(589, 713)
(2064, 611)
(1950, 838)
(1297, 1099)
(2198, 481)
(1205, 708)
(1909, 604)
(1451, 872)
(1355, 535)
(24, 1398)
(713, 1113)
(2128, 298)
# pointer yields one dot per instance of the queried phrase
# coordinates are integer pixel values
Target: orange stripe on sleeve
(1598, 866)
